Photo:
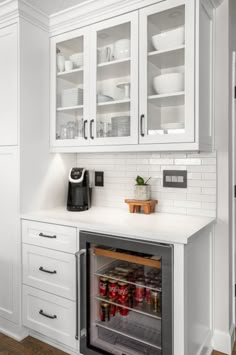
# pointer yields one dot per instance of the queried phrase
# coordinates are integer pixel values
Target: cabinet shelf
(143, 308)
(167, 58)
(114, 69)
(166, 100)
(113, 106)
(70, 108)
(132, 328)
(74, 76)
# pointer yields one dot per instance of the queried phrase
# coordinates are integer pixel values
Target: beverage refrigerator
(125, 300)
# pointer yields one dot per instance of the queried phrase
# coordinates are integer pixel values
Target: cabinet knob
(47, 236)
(47, 271)
(47, 315)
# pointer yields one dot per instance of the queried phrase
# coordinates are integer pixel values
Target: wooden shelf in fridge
(127, 257)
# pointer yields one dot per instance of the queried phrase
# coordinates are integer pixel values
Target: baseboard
(53, 343)
(13, 330)
(223, 341)
(206, 347)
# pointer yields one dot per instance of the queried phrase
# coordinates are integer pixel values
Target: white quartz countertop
(158, 227)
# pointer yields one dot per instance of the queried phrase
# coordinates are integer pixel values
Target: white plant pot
(142, 192)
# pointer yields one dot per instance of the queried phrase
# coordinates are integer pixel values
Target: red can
(124, 311)
(123, 291)
(113, 308)
(103, 286)
(112, 289)
(140, 292)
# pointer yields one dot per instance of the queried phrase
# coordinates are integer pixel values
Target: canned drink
(112, 289)
(103, 286)
(155, 301)
(113, 308)
(149, 292)
(124, 311)
(140, 291)
(123, 292)
(104, 312)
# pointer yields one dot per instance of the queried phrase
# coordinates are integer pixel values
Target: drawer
(49, 270)
(50, 315)
(50, 236)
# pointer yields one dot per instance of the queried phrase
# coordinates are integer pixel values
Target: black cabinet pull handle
(85, 123)
(141, 125)
(47, 236)
(91, 129)
(48, 271)
(47, 315)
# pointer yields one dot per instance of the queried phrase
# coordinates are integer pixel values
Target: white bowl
(77, 59)
(103, 98)
(168, 83)
(168, 39)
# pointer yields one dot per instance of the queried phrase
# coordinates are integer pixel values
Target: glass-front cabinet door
(70, 88)
(114, 81)
(166, 75)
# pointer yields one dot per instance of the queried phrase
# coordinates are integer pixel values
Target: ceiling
(50, 7)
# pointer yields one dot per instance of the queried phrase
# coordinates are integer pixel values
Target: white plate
(104, 98)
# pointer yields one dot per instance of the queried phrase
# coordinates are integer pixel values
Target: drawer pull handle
(47, 236)
(48, 271)
(47, 315)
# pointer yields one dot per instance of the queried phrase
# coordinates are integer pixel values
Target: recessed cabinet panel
(114, 82)
(8, 85)
(165, 64)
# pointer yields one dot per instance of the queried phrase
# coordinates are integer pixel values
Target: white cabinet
(50, 280)
(114, 81)
(166, 73)
(9, 234)
(147, 81)
(8, 85)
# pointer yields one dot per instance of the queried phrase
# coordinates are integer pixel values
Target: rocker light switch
(175, 178)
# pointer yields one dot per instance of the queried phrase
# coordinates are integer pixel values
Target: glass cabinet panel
(113, 84)
(70, 85)
(166, 75)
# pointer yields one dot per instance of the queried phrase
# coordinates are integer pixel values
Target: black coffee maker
(79, 192)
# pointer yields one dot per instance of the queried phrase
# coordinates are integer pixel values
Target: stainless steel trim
(77, 265)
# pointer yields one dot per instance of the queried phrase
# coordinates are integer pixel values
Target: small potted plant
(142, 191)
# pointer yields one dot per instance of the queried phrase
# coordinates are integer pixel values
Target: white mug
(60, 63)
(104, 54)
(122, 49)
(68, 65)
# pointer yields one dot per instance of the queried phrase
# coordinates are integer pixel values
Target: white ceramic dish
(169, 39)
(77, 59)
(168, 83)
(104, 98)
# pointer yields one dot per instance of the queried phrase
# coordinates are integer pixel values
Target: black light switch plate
(99, 178)
(175, 178)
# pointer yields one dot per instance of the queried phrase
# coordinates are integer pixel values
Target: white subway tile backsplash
(121, 169)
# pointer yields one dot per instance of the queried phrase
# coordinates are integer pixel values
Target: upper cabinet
(138, 81)
(8, 85)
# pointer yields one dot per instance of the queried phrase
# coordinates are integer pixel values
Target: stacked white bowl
(169, 39)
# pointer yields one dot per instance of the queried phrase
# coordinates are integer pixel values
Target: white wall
(223, 327)
(121, 169)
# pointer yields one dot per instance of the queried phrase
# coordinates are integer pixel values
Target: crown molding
(91, 11)
(12, 10)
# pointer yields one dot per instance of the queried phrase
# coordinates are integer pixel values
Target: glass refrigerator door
(125, 302)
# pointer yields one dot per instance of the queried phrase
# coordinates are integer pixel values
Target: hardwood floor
(28, 346)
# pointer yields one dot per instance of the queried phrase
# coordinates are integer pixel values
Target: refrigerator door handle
(78, 266)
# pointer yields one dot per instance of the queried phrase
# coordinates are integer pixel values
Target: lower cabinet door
(50, 315)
